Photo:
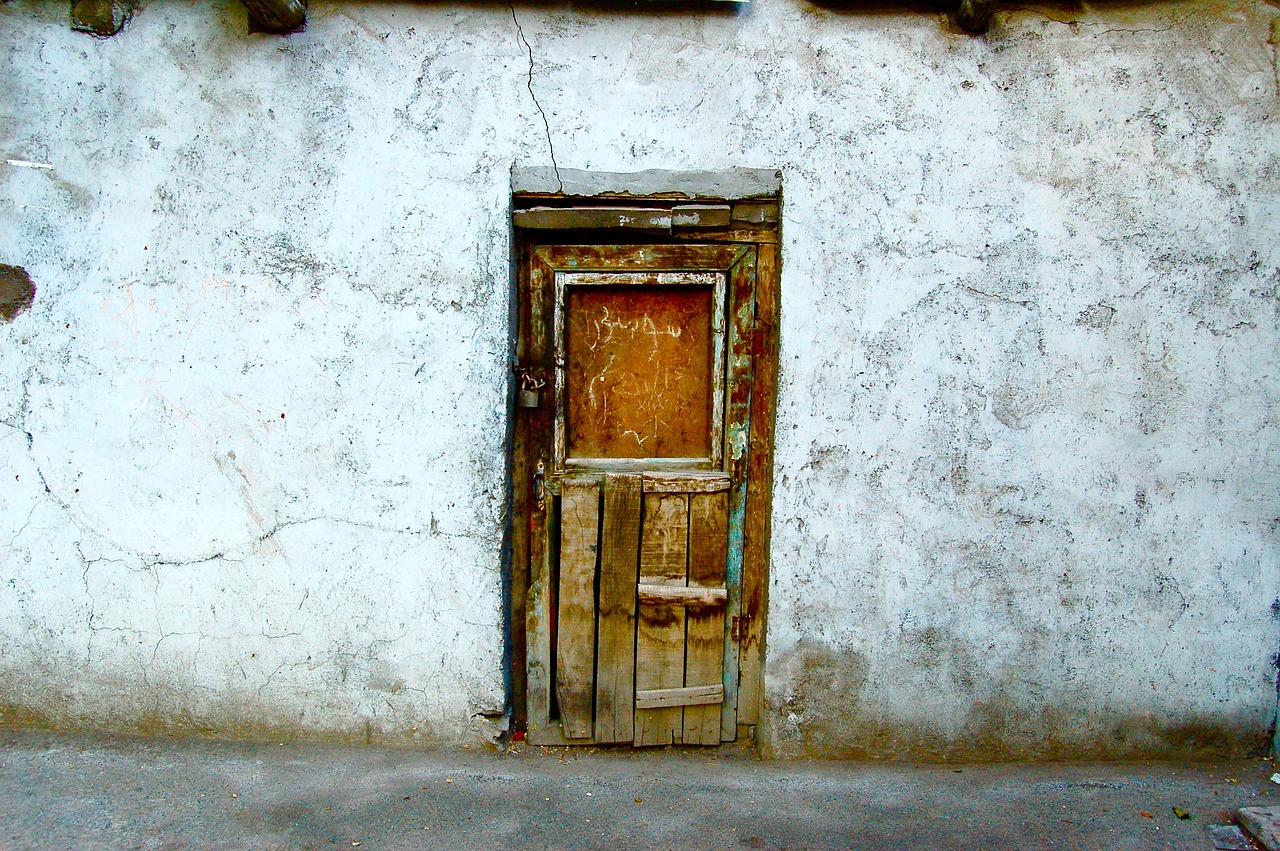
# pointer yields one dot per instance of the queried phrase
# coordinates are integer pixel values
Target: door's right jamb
(757, 524)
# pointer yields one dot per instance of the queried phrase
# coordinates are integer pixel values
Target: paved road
(66, 792)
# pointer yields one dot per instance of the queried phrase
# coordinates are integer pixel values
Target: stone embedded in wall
(17, 291)
(276, 16)
(100, 17)
(974, 16)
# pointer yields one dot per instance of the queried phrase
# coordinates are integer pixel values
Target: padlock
(527, 396)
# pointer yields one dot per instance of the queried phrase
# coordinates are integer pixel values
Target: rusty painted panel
(742, 279)
(639, 372)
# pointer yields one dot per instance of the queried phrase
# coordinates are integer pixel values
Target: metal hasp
(277, 16)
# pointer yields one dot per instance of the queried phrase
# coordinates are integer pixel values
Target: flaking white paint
(1027, 464)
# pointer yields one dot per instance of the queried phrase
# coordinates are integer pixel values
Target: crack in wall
(529, 83)
(996, 296)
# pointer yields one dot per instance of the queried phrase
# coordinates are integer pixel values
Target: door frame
(559, 227)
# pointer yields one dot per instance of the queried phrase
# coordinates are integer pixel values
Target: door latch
(540, 486)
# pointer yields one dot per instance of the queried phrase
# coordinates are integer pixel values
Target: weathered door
(636, 536)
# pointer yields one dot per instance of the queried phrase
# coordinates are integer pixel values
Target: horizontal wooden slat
(568, 218)
(756, 214)
(680, 595)
(682, 482)
(618, 258)
(686, 482)
(700, 216)
(638, 465)
(613, 279)
(659, 698)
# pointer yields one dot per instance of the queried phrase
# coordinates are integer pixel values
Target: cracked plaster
(1026, 470)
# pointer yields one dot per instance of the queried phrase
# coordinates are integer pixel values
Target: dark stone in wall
(276, 16)
(974, 16)
(100, 17)
(17, 291)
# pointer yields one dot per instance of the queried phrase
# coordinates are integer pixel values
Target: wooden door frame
(558, 215)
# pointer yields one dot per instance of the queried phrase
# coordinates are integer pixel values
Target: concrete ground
(59, 791)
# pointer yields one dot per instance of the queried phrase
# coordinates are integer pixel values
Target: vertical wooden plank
(742, 309)
(559, 434)
(759, 502)
(704, 643)
(520, 475)
(540, 596)
(660, 633)
(576, 633)
(616, 647)
(538, 626)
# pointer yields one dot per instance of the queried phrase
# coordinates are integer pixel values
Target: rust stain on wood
(639, 372)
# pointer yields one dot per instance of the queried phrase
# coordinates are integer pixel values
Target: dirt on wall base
(825, 714)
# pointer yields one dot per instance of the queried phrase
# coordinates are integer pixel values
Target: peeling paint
(1026, 463)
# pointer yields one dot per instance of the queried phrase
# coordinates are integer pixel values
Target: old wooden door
(639, 492)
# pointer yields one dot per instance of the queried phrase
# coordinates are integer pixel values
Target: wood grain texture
(741, 364)
(686, 482)
(690, 598)
(619, 554)
(704, 642)
(660, 698)
(539, 595)
(576, 629)
(566, 218)
(763, 212)
(538, 608)
(518, 530)
(664, 560)
(639, 375)
(585, 258)
(762, 235)
(700, 216)
(757, 525)
(742, 483)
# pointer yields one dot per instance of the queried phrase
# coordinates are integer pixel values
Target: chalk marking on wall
(28, 164)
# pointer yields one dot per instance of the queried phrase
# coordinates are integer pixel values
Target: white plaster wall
(1027, 460)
